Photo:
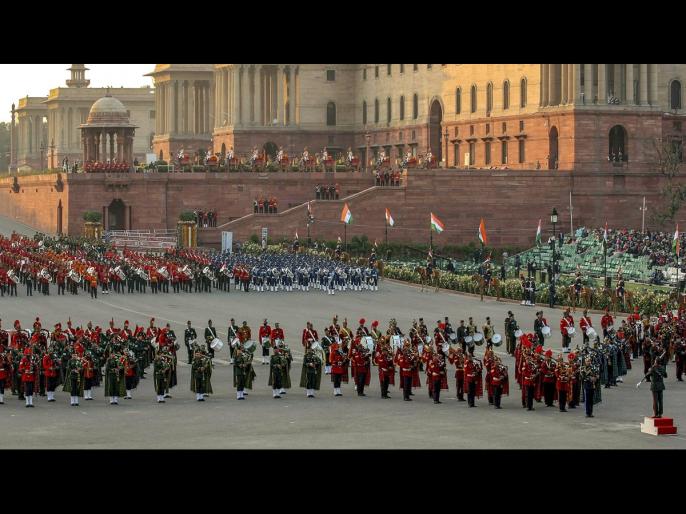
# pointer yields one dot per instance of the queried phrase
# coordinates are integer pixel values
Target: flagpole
(571, 217)
(387, 233)
(345, 237)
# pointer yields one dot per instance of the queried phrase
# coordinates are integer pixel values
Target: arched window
(619, 142)
(458, 100)
(522, 93)
(489, 97)
(506, 95)
(675, 95)
(364, 112)
(473, 99)
(331, 114)
(402, 108)
(415, 106)
(376, 110)
(388, 110)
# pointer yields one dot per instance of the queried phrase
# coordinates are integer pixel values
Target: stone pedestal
(188, 234)
(92, 230)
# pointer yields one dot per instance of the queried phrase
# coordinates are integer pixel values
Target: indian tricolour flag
(436, 224)
(538, 233)
(676, 245)
(482, 233)
(346, 215)
(389, 218)
(605, 234)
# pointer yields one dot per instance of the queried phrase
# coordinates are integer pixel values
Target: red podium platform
(658, 426)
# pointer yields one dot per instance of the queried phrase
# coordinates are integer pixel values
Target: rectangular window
(457, 131)
(521, 126)
(415, 67)
(402, 68)
(503, 156)
(487, 152)
(364, 73)
(504, 127)
(388, 69)
(472, 153)
(488, 128)
(330, 75)
(456, 154)
(376, 72)
(414, 135)
(471, 130)
(522, 154)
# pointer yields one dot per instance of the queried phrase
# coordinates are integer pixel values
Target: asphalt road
(323, 422)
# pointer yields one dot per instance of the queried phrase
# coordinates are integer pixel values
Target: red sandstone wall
(36, 202)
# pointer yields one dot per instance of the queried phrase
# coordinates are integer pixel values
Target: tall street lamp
(42, 151)
(445, 155)
(553, 220)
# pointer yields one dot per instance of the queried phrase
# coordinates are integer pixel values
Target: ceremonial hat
(126, 322)
(539, 349)
(58, 326)
(441, 326)
(571, 356)
(28, 350)
(362, 321)
(548, 353)
(375, 323)
(16, 322)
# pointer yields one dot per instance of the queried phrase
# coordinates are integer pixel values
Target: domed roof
(108, 112)
(108, 104)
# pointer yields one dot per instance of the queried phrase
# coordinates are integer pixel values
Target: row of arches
(389, 109)
(505, 104)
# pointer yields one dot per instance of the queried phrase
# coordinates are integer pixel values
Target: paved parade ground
(323, 422)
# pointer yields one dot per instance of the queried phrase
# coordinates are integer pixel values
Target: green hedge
(187, 216)
(92, 216)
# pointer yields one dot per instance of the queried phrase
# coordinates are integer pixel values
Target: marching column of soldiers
(80, 359)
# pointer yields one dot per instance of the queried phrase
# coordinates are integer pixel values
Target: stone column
(553, 98)
(291, 96)
(643, 87)
(280, 93)
(653, 84)
(574, 79)
(245, 93)
(120, 145)
(191, 108)
(177, 110)
(588, 84)
(103, 141)
(544, 84)
(629, 84)
(111, 136)
(564, 79)
(169, 96)
(602, 84)
(211, 86)
(257, 94)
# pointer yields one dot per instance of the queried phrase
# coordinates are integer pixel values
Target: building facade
(523, 116)
(48, 127)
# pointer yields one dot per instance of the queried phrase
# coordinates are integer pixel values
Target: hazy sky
(19, 80)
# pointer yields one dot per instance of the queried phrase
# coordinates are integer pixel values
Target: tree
(4, 146)
(668, 158)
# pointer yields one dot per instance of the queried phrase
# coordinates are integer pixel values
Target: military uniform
(278, 370)
(115, 384)
(189, 335)
(658, 373)
(162, 367)
(311, 375)
(73, 379)
(201, 375)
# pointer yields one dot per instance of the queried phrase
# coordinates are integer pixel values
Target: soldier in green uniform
(311, 375)
(201, 374)
(115, 383)
(243, 372)
(278, 368)
(162, 367)
(73, 379)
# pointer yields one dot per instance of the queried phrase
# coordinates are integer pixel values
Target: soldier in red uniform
(361, 366)
(566, 323)
(406, 359)
(29, 374)
(575, 385)
(383, 358)
(5, 372)
(51, 367)
(529, 376)
(548, 375)
(61, 279)
(437, 376)
(584, 323)
(489, 360)
(473, 378)
(563, 379)
(264, 334)
(19, 338)
(277, 333)
(339, 367)
(457, 358)
(131, 375)
(309, 335)
(499, 383)
(606, 321)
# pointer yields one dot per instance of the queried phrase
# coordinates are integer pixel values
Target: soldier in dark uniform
(462, 332)
(311, 376)
(29, 283)
(188, 336)
(510, 329)
(657, 374)
(210, 335)
(201, 374)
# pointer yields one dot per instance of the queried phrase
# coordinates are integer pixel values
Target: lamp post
(445, 155)
(52, 154)
(367, 138)
(643, 220)
(553, 220)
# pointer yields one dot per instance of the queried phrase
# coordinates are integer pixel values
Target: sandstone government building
(512, 140)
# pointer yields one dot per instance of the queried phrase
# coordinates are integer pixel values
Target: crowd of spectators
(656, 246)
(205, 219)
(263, 205)
(327, 192)
(106, 167)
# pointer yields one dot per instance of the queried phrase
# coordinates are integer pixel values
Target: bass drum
(217, 344)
